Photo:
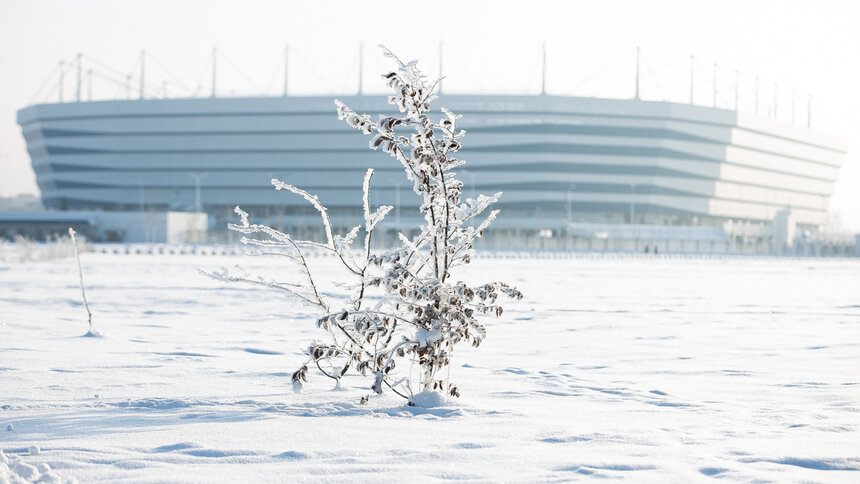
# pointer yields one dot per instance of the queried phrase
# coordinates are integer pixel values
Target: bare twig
(81, 280)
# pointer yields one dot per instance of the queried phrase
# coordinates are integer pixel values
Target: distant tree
(420, 315)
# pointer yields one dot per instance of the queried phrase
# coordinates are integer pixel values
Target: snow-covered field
(625, 368)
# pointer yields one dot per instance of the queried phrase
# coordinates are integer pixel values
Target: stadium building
(576, 173)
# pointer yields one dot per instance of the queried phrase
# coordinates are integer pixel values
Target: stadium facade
(575, 172)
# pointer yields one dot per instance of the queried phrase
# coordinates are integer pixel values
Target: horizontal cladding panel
(282, 123)
(610, 169)
(752, 176)
(694, 205)
(517, 105)
(345, 197)
(351, 140)
(503, 142)
(714, 133)
(347, 160)
(733, 191)
(271, 163)
(694, 168)
(382, 179)
(744, 210)
(374, 103)
(351, 198)
(182, 125)
(684, 203)
(478, 161)
(781, 146)
(756, 159)
(576, 184)
(48, 169)
(752, 122)
(345, 139)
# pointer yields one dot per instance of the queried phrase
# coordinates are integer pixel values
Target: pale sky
(493, 47)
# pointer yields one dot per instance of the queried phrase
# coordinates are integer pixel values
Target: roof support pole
(636, 95)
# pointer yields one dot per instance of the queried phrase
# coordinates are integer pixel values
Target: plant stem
(81, 279)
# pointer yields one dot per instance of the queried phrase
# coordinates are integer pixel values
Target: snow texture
(629, 368)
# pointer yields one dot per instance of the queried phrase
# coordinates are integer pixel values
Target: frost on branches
(404, 337)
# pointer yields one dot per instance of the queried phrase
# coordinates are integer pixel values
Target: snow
(628, 368)
(430, 399)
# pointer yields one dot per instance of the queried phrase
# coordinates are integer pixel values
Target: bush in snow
(22, 249)
(404, 338)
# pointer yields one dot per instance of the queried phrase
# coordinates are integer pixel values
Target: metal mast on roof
(637, 73)
(692, 76)
(792, 106)
(214, 70)
(775, 100)
(60, 84)
(543, 71)
(286, 67)
(737, 88)
(440, 67)
(756, 94)
(715, 85)
(360, 68)
(142, 63)
(78, 85)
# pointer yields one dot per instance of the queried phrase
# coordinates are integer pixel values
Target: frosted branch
(279, 185)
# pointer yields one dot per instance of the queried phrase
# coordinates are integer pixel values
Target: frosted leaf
(366, 193)
(347, 239)
(389, 54)
(243, 215)
(472, 207)
(486, 223)
(451, 117)
(342, 109)
(378, 215)
(411, 246)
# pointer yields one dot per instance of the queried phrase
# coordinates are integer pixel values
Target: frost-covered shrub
(22, 249)
(405, 334)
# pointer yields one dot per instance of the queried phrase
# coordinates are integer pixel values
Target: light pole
(471, 181)
(570, 203)
(633, 216)
(397, 205)
(570, 210)
(197, 178)
(632, 203)
(396, 183)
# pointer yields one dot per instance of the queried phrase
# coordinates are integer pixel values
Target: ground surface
(623, 368)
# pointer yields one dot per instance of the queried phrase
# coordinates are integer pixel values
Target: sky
(487, 47)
